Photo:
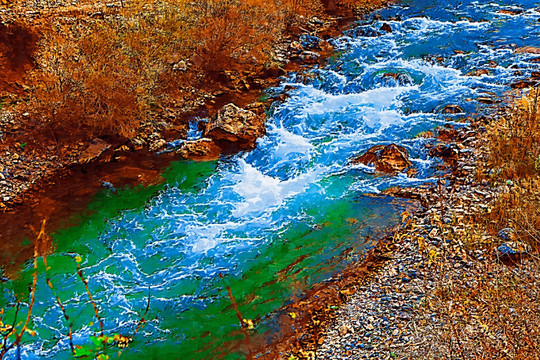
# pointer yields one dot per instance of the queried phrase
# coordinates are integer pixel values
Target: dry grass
(489, 309)
(514, 158)
(104, 74)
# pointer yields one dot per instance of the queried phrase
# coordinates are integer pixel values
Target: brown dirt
(17, 47)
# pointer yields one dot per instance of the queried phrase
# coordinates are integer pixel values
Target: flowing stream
(269, 223)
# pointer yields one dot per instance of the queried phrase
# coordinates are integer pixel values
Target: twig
(96, 311)
(141, 320)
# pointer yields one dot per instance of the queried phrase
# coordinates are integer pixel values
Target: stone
(448, 153)
(138, 143)
(513, 250)
(181, 66)
(477, 72)
(295, 47)
(508, 234)
(528, 50)
(309, 41)
(397, 78)
(386, 158)
(486, 100)
(386, 28)
(447, 133)
(523, 84)
(156, 145)
(511, 12)
(202, 149)
(452, 109)
(96, 148)
(236, 127)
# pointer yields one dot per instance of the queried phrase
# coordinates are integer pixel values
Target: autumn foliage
(105, 70)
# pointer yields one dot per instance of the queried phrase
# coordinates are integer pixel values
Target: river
(264, 226)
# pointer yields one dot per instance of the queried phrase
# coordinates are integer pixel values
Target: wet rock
(138, 143)
(386, 28)
(364, 31)
(400, 79)
(448, 133)
(452, 109)
(511, 12)
(448, 152)
(478, 72)
(386, 158)
(309, 56)
(235, 126)
(528, 50)
(486, 100)
(96, 148)
(181, 66)
(295, 47)
(523, 84)
(156, 145)
(203, 149)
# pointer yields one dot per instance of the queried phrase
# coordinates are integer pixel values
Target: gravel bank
(432, 298)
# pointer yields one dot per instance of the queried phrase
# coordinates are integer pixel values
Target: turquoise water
(270, 223)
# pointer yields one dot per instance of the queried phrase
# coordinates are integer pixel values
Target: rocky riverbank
(31, 156)
(439, 287)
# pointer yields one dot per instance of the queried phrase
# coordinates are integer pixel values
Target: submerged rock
(386, 158)
(309, 41)
(477, 72)
(156, 145)
(508, 234)
(396, 79)
(235, 127)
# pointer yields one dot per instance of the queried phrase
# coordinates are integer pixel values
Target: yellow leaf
(249, 324)
(292, 315)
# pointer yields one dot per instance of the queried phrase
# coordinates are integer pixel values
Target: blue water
(271, 222)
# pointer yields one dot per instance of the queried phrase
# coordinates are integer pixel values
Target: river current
(270, 223)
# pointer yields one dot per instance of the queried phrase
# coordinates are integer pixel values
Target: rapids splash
(270, 223)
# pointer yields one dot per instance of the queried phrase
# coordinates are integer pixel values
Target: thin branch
(96, 311)
(142, 320)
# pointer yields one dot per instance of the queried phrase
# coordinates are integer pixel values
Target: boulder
(202, 149)
(156, 145)
(386, 158)
(522, 84)
(528, 50)
(396, 79)
(508, 234)
(235, 127)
